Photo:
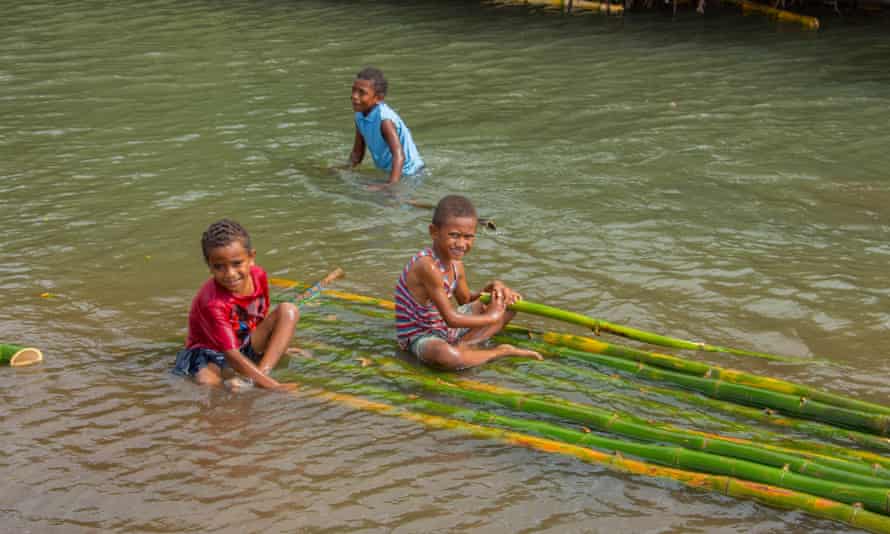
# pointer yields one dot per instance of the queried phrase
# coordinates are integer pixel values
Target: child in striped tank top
(427, 323)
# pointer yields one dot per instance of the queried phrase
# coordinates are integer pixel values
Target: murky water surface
(720, 178)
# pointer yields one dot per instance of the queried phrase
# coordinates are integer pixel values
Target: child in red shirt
(230, 324)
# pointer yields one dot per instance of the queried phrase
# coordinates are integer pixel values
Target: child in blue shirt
(380, 129)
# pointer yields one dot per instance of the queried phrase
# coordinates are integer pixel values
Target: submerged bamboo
(830, 468)
(17, 356)
(770, 417)
(800, 407)
(873, 498)
(667, 361)
(877, 465)
(771, 495)
(806, 393)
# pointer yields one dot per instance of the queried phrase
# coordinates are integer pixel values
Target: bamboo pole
(770, 495)
(667, 361)
(877, 465)
(770, 417)
(767, 416)
(798, 406)
(599, 325)
(873, 498)
(17, 356)
(810, 23)
(624, 424)
(805, 394)
(568, 5)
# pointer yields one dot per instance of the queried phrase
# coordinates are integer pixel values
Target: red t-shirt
(220, 320)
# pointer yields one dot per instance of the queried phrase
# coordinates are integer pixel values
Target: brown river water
(720, 177)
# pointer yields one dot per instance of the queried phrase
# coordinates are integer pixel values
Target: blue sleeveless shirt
(369, 127)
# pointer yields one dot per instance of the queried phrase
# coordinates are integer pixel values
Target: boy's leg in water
(209, 375)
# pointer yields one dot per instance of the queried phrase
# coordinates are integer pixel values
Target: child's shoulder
(386, 112)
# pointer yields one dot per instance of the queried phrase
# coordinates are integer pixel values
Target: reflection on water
(711, 178)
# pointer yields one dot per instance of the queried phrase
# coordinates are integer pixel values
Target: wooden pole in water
(16, 356)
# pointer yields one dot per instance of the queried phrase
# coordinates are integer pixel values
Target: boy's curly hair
(453, 206)
(223, 233)
(375, 76)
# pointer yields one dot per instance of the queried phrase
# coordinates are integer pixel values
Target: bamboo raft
(780, 443)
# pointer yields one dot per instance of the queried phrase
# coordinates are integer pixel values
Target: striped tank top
(414, 319)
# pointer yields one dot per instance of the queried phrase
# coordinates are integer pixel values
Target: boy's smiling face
(454, 239)
(230, 266)
(364, 97)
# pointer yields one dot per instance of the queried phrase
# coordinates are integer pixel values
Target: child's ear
(251, 255)
(434, 230)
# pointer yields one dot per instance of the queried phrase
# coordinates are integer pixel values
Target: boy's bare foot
(286, 386)
(510, 350)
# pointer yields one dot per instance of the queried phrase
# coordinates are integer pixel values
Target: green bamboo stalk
(672, 362)
(598, 325)
(874, 465)
(799, 407)
(771, 495)
(876, 499)
(835, 469)
(766, 416)
(17, 356)
(601, 396)
(667, 361)
(878, 465)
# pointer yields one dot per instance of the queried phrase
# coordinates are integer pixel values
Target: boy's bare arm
(462, 292)
(244, 366)
(431, 278)
(358, 149)
(388, 129)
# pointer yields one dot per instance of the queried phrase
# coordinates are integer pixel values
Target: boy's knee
(289, 311)
(444, 356)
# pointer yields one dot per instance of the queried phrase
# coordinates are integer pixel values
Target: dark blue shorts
(190, 361)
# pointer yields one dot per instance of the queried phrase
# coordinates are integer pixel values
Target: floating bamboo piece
(831, 509)
(16, 356)
(568, 5)
(810, 23)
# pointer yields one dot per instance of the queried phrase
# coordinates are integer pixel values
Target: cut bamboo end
(26, 356)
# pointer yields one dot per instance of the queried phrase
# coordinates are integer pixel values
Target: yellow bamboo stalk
(811, 23)
(771, 495)
(567, 5)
